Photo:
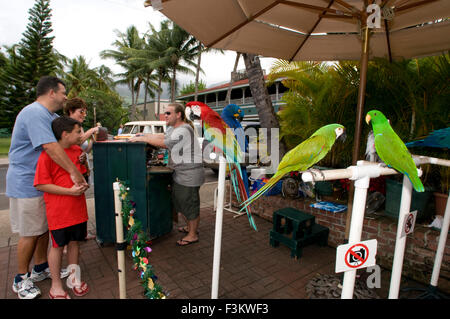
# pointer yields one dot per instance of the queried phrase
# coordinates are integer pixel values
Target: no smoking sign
(355, 256)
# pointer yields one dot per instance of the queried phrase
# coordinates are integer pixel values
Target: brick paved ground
(250, 267)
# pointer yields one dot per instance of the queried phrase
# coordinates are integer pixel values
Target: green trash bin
(149, 188)
(419, 201)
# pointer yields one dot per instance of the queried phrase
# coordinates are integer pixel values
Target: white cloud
(86, 27)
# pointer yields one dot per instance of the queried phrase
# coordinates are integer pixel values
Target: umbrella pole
(359, 119)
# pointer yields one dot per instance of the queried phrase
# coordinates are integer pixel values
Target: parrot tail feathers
(416, 182)
(240, 191)
(262, 190)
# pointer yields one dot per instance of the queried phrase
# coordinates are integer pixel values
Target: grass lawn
(4, 146)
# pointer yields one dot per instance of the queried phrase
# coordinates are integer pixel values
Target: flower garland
(139, 242)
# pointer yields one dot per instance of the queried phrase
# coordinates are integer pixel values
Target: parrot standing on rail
(391, 148)
(215, 131)
(232, 115)
(303, 156)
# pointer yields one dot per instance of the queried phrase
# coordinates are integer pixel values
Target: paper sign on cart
(356, 255)
(408, 223)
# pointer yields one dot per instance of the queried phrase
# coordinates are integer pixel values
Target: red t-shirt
(62, 210)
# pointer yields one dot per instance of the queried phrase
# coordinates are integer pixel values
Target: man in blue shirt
(31, 134)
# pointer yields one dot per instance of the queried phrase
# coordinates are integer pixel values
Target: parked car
(130, 129)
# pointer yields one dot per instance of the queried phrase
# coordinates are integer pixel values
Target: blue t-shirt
(32, 129)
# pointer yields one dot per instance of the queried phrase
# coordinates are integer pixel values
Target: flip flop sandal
(65, 296)
(187, 242)
(80, 290)
(184, 230)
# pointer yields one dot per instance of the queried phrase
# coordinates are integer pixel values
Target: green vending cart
(149, 188)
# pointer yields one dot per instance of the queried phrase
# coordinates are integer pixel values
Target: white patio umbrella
(318, 30)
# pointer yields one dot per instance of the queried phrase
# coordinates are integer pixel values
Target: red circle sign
(356, 257)
(409, 223)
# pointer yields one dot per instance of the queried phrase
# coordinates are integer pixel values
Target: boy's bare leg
(73, 250)
(54, 262)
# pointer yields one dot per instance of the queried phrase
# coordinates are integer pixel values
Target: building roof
(220, 87)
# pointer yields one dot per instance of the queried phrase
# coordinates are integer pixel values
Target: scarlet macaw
(217, 132)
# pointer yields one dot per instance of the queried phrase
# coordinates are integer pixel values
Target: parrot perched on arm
(303, 156)
(215, 131)
(232, 115)
(391, 148)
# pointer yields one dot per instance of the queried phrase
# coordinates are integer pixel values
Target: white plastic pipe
(400, 242)
(218, 230)
(119, 240)
(356, 225)
(441, 246)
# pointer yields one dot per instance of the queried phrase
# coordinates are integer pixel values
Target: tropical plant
(413, 94)
(95, 86)
(262, 100)
(128, 40)
(192, 87)
(180, 47)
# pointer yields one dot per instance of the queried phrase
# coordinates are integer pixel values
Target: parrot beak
(343, 136)
(238, 116)
(368, 118)
(192, 116)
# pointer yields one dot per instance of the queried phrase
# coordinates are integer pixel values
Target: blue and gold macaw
(232, 115)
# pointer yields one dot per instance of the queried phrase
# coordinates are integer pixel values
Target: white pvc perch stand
(218, 229)
(361, 174)
(401, 242)
(120, 241)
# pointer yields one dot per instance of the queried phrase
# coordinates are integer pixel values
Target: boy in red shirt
(65, 207)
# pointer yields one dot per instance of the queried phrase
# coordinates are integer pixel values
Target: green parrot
(391, 148)
(303, 156)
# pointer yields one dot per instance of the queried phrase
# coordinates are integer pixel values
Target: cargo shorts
(186, 200)
(27, 216)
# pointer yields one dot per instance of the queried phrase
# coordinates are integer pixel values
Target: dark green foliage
(32, 58)
(413, 94)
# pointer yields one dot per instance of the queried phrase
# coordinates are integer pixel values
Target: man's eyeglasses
(83, 112)
(167, 113)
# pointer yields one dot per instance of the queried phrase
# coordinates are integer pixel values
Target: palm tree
(179, 47)
(79, 77)
(202, 49)
(129, 39)
(262, 99)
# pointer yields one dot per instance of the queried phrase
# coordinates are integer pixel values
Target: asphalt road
(4, 201)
